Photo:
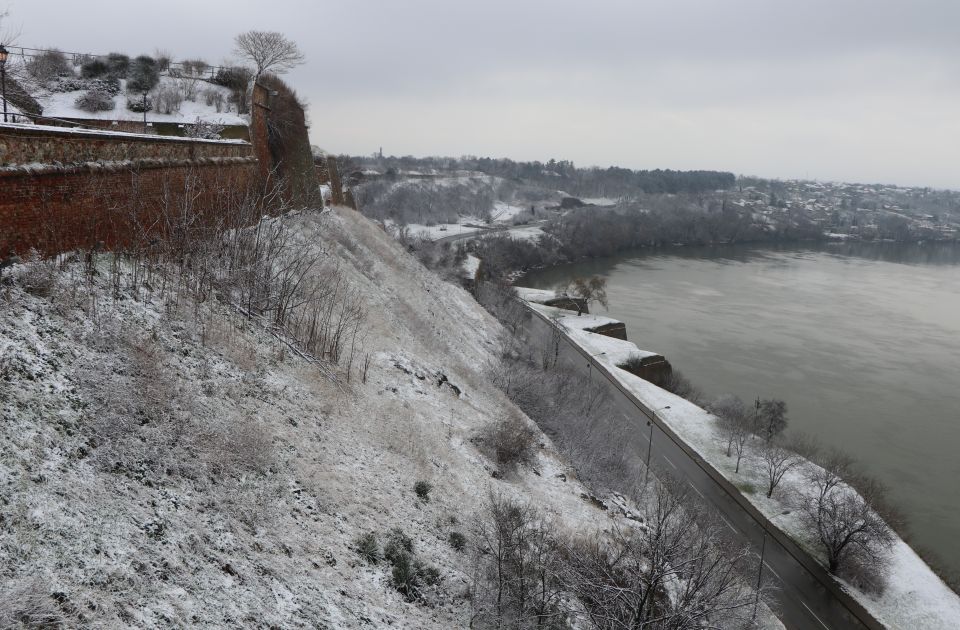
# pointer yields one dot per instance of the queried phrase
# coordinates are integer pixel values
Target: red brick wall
(63, 189)
(62, 209)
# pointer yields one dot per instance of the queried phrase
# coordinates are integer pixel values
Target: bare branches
(851, 532)
(736, 424)
(268, 51)
(777, 462)
(588, 290)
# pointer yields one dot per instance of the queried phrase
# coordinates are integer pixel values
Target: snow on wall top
(74, 131)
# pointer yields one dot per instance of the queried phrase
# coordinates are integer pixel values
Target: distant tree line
(592, 232)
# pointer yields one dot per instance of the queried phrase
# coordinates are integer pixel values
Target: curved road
(802, 601)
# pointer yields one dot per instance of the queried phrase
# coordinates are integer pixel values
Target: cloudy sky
(856, 90)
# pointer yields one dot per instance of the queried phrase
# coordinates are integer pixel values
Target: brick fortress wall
(63, 189)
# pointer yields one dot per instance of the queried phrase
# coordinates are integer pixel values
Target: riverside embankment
(809, 595)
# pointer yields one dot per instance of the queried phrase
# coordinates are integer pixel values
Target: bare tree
(670, 574)
(589, 290)
(268, 51)
(517, 568)
(777, 461)
(847, 526)
(735, 423)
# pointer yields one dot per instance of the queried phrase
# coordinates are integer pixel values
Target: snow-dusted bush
(95, 101)
(49, 65)
(168, 98)
(203, 130)
(237, 78)
(65, 84)
(214, 98)
(509, 442)
(139, 105)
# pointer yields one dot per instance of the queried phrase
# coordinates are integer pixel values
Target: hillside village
(229, 402)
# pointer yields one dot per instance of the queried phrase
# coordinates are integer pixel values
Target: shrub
(118, 65)
(236, 78)
(398, 543)
(93, 69)
(168, 99)
(49, 65)
(410, 576)
(508, 442)
(143, 75)
(95, 101)
(367, 547)
(214, 98)
(457, 540)
(423, 488)
(139, 105)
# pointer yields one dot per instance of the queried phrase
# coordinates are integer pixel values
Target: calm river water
(862, 341)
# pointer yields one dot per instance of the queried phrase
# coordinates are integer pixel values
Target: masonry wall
(112, 206)
(32, 144)
(63, 189)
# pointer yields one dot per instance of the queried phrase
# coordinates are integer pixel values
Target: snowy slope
(251, 523)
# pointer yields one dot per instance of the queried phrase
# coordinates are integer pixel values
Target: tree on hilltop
(268, 51)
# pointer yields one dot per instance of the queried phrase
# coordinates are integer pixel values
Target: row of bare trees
(844, 511)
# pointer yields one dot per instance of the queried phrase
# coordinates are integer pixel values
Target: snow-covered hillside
(250, 519)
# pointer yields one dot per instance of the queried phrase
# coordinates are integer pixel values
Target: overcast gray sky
(855, 90)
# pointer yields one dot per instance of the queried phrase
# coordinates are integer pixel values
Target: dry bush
(509, 442)
(167, 99)
(29, 605)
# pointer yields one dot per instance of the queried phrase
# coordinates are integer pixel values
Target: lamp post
(3, 78)
(646, 473)
(144, 113)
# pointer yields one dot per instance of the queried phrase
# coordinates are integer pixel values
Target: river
(862, 341)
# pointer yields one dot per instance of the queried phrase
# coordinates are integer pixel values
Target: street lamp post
(3, 78)
(144, 113)
(646, 473)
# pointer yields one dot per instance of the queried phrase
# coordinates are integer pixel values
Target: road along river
(862, 341)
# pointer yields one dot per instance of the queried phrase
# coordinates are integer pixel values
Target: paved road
(802, 602)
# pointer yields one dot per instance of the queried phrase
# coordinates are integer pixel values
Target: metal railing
(186, 69)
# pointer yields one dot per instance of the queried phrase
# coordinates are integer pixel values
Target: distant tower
(381, 153)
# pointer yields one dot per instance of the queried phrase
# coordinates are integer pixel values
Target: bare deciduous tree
(735, 423)
(848, 527)
(671, 574)
(777, 462)
(517, 569)
(268, 51)
(589, 290)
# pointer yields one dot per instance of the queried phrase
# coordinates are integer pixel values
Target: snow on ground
(600, 201)
(63, 105)
(504, 212)
(251, 521)
(915, 597)
(526, 232)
